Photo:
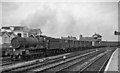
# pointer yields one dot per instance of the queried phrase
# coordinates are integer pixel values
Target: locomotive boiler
(19, 42)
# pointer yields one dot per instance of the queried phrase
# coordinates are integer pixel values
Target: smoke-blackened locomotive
(44, 45)
(38, 45)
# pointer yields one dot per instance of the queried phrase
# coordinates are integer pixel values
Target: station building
(9, 32)
(16, 29)
(95, 38)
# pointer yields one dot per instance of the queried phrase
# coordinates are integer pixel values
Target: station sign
(116, 33)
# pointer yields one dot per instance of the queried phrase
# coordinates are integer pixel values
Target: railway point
(112, 65)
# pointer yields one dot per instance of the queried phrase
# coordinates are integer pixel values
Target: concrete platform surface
(112, 63)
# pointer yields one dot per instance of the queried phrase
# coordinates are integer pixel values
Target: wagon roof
(48, 37)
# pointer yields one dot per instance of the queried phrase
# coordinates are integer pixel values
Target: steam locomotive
(44, 45)
(25, 47)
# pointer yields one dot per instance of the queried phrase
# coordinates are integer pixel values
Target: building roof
(69, 38)
(87, 39)
(35, 30)
(18, 28)
(6, 28)
(8, 33)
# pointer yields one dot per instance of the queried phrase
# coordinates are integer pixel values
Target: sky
(63, 18)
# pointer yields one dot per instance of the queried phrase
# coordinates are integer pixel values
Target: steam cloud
(63, 19)
(51, 22)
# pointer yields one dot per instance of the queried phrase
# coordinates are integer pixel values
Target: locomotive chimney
(80, 37)
(19, 34)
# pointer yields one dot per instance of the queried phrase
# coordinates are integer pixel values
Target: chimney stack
(80, 37)
(19, 34)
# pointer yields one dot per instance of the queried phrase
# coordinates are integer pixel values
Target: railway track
(98, 65)
(8, 61)
(21, 67)
(74, 65)
(58, 65)
(96, 61)
(5, 61)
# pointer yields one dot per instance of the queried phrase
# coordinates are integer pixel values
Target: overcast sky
(64, 18)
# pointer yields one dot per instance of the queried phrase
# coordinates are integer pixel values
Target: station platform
(112, 66)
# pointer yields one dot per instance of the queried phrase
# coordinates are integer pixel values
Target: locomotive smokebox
(17, 42)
